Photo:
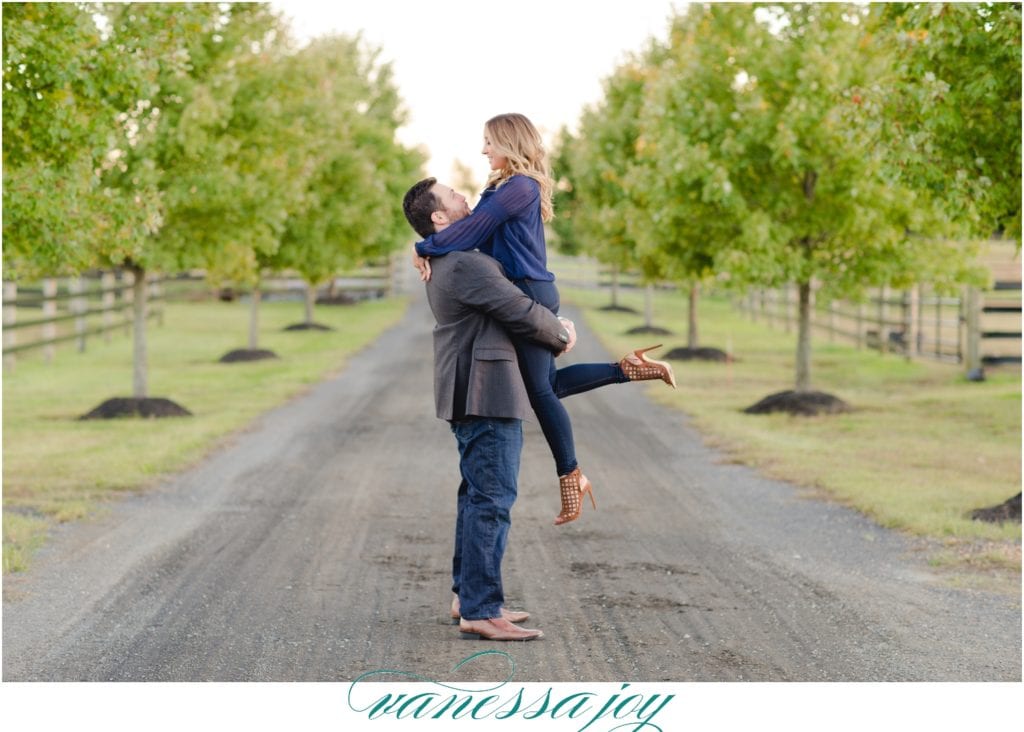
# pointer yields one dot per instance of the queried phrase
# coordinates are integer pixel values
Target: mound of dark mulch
(339, 298)
(149, 407)
(308, 326)
(1008, 510)
(805, 403)
(699, 354)
(617, 309)
(247, 354)
(648, 330)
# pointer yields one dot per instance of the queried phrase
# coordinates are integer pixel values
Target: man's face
(454, 206)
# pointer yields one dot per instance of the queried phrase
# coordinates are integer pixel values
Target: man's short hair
(419, 204)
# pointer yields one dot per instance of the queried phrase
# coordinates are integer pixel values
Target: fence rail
(78, 305)
(975, 328)
(55, 311)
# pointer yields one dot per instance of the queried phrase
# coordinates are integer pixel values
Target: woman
(508, 224)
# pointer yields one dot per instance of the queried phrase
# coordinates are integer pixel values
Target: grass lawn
(57, 468)
(922, 448)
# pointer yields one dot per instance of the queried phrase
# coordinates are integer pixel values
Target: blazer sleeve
(483, 287)
(510, 200)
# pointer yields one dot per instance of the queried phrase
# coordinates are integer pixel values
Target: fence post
(76, 287)
(911, 298)
(883, 319)
(860, 324)
(10, 318)
(107, 284)
(49, 330)
(972, 321)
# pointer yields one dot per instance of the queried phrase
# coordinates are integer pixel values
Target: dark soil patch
(308, 326)
(806, 403)
(617, 309)
(339, 298)
(247, 354)
(149, 407)
(699, 354)
(1008, 510)
(648, 329)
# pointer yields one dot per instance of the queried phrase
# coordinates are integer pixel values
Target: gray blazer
(475, 368)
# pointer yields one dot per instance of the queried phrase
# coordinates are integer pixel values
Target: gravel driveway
(316, 547)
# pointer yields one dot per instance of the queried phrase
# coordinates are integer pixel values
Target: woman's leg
(537, 365)
(577, 378)
(582, 377)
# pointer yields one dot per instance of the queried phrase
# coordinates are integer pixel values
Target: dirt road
(316, 547)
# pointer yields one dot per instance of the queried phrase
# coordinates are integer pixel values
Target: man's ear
(439, 217)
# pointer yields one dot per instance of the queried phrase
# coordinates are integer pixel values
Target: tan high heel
(573, 487)
(648, 368)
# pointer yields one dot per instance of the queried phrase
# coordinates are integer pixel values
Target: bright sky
(459, 62)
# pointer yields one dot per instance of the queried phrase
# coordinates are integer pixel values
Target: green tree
(821, 209)
(687, 210)
(350, 210)
(592, 168)
(262, 139)
(177, 153)
(563, 226)
(948, 109)
(65, 86)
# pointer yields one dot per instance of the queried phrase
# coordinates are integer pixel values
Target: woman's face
(497, 161)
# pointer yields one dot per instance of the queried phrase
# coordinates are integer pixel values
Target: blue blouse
(505, 224)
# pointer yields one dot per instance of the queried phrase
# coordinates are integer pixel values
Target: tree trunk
(692, 338)
(254, 318)
(140, 388)
(615, 286)
(310, 301)
(803, 340)
(649, 305)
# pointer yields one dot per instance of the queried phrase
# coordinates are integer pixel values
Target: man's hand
(570, 328)
(422, 264)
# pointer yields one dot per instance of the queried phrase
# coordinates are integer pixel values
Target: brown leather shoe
(496, 629)
(512, 616)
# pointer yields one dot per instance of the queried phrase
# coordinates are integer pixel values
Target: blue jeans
(489, 451)
(547, 386)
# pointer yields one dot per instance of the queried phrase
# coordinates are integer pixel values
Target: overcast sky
(460, 62)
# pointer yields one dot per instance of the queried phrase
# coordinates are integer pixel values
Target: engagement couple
(495, 343)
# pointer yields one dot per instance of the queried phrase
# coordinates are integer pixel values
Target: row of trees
(172, 136)
(840, 146)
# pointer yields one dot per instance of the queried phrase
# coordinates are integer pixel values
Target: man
(479, 390)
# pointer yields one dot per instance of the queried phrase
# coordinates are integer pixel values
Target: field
(921, 449)
(57, 468)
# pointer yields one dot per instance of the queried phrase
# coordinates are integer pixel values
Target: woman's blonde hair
(515, 138)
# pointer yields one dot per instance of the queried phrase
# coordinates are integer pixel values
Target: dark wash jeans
(489, 451)
(547, 386)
